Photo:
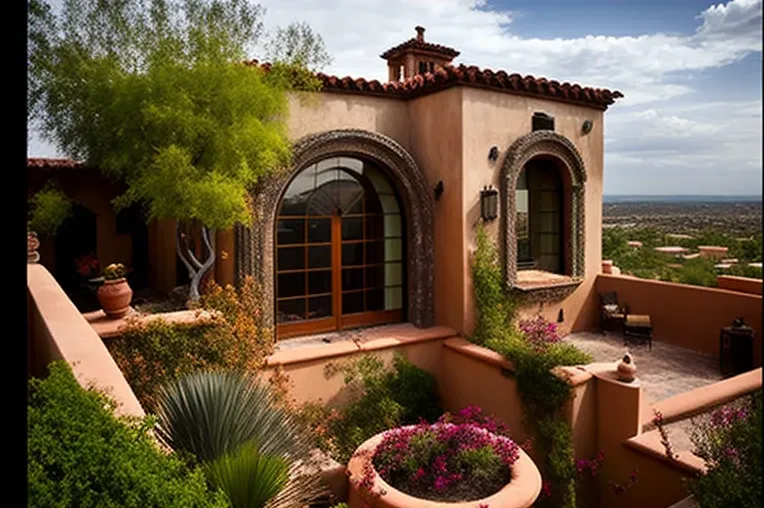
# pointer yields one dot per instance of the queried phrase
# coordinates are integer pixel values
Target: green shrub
(49, 208)
(542, 392)
(729, 440)
(380, 399)
(154, 352)
(698, 272)
(81, 455)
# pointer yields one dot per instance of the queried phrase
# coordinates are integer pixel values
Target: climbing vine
(542, 392)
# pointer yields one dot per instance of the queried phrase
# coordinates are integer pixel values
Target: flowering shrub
(151, 353)
(539, 333)
(729, 441)
(379, 399)
(88, 266)
(446, 461)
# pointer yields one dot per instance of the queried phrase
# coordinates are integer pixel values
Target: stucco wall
(436, 145)
(688, 316)
(492, 118)
(312, 113)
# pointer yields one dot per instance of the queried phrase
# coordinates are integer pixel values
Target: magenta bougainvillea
(539, 332)
(462, 457)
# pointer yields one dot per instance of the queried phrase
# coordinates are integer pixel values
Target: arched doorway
(339, 249)
(76, 237)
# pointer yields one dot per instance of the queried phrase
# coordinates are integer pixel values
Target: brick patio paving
(664, 371)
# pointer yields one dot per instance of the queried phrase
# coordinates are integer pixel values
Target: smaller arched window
(539, 217)
(340, 252)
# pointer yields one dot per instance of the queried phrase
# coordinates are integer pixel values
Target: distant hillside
(637, 198)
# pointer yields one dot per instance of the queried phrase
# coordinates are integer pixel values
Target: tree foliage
(156, 92)
(49, 208)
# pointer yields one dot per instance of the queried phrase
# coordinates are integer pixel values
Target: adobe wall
(684, 315)
(436, 145)
(492, 118)
(739, 284)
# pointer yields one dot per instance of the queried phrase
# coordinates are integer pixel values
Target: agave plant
(251, 448)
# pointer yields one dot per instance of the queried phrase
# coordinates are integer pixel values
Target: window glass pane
(393, 274)
(378, 180)
(291, 284)
(352, 302)
(393, 247)
(549, 222)
(352, 279)
(290, 258)
(355, 208)
(296, 196)
(352, 228)
(389, 203)
(320, 282)
(349, 193)
(321, 202)
(319, 230)
(320, 257)
(375, 299)
(290, 231)
(319, 306)
(352, 254)
(392, 226)
(374, 224)
(351, 164)
(374, 252)
(375, 276)
(393, 298)
(291, 310)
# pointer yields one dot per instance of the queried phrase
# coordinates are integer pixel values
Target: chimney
(419, 33)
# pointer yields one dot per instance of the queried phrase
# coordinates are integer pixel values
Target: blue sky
(691, 122)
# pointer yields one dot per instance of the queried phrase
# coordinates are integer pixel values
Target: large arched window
(339, 249)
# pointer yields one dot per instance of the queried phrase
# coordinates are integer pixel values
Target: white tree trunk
(196, 269)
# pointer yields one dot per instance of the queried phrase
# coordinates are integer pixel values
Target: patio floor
(664, 371)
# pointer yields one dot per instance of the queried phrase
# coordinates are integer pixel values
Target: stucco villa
(374, 222)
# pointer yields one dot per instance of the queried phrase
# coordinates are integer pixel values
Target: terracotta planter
(607, 266)
(115, 296)
(521, 492)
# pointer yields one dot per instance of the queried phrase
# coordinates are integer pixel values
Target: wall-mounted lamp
(560, 316)
(489, 203)
(586, 127)
(438, 189)
(493, 153)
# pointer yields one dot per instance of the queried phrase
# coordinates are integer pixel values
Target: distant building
(712, 251)
(634, 244)
(678, 236)
(671, 251)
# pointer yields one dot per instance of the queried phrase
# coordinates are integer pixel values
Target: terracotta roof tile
(45, 163)
(414, 44)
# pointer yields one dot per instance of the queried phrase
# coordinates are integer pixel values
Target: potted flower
(115, 294)
(87, 266)
(467, 463)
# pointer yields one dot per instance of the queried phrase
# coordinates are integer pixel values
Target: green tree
(156, 93)
(49, 208)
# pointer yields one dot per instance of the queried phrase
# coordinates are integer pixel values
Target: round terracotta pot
(521, 492)
(115, 296)
(627, 371)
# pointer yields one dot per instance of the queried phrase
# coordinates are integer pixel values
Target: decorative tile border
(255, 246)
(520, 152)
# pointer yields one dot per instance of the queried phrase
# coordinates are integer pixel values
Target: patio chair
(611, 313)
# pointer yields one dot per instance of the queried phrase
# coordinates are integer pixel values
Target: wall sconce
(493, 153)
(560, 316)
(438, 189)
(489, 203)
(586, 127)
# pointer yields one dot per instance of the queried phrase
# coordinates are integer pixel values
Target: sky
(690, 70)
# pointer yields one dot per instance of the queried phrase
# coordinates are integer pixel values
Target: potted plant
(467, 463)
(115, 293)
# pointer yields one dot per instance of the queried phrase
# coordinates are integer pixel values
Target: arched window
(539, 222)
(339, 249)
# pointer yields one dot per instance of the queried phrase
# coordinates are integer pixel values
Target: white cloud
(648, 68)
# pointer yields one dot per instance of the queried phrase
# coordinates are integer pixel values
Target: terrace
(679, 376)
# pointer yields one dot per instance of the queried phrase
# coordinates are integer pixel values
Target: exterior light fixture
(493, 153)
(438, 189)
(586, 127)
(560, 316)
(489, 203)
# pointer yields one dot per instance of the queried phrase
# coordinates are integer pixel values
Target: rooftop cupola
(416, 56)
